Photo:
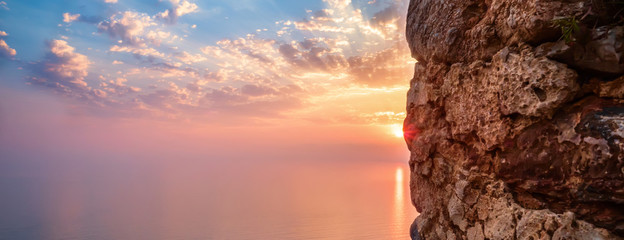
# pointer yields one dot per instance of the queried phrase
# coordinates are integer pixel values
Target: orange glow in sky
(114, 102)
(397, 130)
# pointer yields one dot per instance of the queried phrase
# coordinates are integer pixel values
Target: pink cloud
(260, 74)
(68, 17)
(180, 8)
(5, 50)
(129, 26)
(65, 67)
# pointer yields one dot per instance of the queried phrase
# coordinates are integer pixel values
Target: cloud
(252, 100)
(129, 26)
(311, 55)
(68, 17)
(215, 76)
(388, 22)
(65, 72)
(339, 4)
(138, 34)
(256, 90)
(389, 15)
(62, 68)
(334, 53)
(171, 98)
(190, 58)
(180, 8)
(5, 50)
(3, 34)
(110, 1)
(342, 18)
(117, 87)
(138, 51)
(384, 68)
(321, 26)
(245, 54)
(156, 37)
(381, 57)
(166, 70)
(4, 6)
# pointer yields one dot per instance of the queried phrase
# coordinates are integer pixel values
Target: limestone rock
(514, 133)
(463, 31)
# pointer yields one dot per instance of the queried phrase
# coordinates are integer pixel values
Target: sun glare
(397, 130)
(399, 175)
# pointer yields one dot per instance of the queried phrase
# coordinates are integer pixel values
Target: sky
(117, 116)
(118, 75)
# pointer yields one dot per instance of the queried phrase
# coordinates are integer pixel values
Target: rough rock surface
(515, 133)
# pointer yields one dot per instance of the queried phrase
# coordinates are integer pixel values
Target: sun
(397, 130)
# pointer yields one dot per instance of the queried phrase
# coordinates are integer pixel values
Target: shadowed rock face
(513, 133)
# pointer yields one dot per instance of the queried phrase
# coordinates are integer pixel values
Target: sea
(197, 198)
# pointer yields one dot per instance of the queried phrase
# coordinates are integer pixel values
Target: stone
(464, 31)
(456, 212)
(600, 53)
(476, 232)
(414, 231)
(514, 133)
(611, 89)
(500, 224)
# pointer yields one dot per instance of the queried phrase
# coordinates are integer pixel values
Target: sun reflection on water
(399, 203)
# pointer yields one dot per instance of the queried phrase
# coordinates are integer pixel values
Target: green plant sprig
(569, 27)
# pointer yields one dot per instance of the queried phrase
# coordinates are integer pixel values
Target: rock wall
(515, 131)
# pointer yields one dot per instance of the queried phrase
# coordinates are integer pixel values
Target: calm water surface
(200, 199)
